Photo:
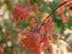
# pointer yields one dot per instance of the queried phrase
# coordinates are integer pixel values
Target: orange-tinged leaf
(36, 50)
(26, 16)
(61, 9)
(70, 7)
(70, 1)
(50, 26)
(71, 47)
(50, 29)
(31, 41)
(19, 12)
(45, 42)
(65, 19)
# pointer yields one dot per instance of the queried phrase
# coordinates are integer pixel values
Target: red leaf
(45, 42)
(71, 47)
(19, 12)
(70, 9)
(70, 6)
(0, 51)
(49, 25)
(31, 41)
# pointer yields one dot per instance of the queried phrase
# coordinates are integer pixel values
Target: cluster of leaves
(32, 41)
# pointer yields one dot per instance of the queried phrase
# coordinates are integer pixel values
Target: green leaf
(58, 42)
(23, 23)
(8, 25)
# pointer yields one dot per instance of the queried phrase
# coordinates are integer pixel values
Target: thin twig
(49, 50)
(12, 36)
(9, 37)
(53, 12)
(62, 39)
(32, 11)
(37, 21)
(66, 41)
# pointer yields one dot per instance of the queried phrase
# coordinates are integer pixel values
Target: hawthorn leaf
(19, 12)
(36, 50)
(45, 42)
(65, 19)
(31, 41)
(48, 25)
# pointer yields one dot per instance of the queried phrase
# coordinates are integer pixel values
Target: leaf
(0, 51)
(45, 42)
(61, 9)
(31, 40)
(59, 43)
(70, 7)
(36, 50)
(65, 19)
(20, 12)
(8, 25)
(71, 46)
(49, 25)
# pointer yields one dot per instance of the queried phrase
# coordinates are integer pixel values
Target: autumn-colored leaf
(70, 6)
(49, 25)
(65, 19)
(70, 9)
(36, 50)
(61, 9)
(45, 42)
(71, 47)
(19, 12)
(69, 1)
(31, 41)
(0, 51)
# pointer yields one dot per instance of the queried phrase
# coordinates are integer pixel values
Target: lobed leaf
(31, 41)
(19, 12)
(50, 26)
(45, 42)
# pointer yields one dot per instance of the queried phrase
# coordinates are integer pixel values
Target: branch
(62, 39)
(9, 37)
(32, 11)
(53, 12)
(66, 41)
